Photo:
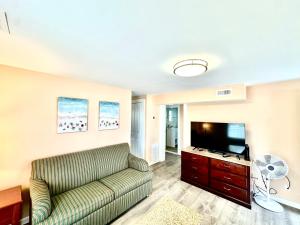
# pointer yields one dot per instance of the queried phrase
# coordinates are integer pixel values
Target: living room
(76, 150)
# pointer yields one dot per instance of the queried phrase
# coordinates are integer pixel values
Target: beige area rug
(169, 212)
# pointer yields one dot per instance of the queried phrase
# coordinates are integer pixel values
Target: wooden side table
(10, 206)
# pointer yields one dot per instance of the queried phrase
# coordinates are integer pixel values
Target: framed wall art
(72, 115)
(109, 115)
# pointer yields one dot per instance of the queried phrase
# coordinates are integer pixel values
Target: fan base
(268, 204)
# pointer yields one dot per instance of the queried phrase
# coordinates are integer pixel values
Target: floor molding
(174, 153)
(152, 163)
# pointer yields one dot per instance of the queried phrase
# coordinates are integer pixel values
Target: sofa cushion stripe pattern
(100, 217)
(64, 172)
(131, 198)
(41, 201)
(111, 160)
(70, 206)
(71, 187)
(112, 210)
(137, 163)
(126, 180)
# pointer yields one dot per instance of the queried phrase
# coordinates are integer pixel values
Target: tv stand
(224, 155)
(212, 151)
(199, 149)
(228, 177)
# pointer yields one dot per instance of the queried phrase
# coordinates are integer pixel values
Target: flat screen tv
(219, 137)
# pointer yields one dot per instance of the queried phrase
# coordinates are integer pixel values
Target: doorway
(138, 128)
(172, 123)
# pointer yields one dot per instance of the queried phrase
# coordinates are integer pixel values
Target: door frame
(143, 101)
(163, 131)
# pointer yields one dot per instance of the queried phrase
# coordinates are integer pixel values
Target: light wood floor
(166, 182)
(171, 149)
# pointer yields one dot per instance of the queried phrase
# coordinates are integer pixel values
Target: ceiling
(134, 44)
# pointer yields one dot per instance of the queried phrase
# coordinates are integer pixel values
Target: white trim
(143, 101)
(152, 163)
(179, 141)
(174, 153)
(179, 125)
(162, 132)
(186, 127)
(24, 220)
(286, 202)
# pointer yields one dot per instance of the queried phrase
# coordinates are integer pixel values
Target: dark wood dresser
(226, 177)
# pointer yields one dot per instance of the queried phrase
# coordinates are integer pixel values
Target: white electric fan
(271, 167)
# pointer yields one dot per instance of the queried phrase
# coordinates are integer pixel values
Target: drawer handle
(227, 178)
(227, 189)
(194, 168)
(194, 158)
(195, 177)
(226, 166)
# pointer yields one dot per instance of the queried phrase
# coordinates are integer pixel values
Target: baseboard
(24, 220)
(286, 202)
(174, 153)
(152, 163)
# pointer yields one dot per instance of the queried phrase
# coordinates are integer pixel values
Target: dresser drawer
(229, 178)
(185, 156)
(229, 167)
(197, 179)
(199, 169)
(230, 190)
(193, 169)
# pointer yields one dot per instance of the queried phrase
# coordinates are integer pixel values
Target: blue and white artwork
(72, 115)
(109, 115)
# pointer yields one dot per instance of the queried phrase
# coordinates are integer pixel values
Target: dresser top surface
(10, 197)
(206, 153)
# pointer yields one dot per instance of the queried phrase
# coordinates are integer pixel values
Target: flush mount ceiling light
(190, 67)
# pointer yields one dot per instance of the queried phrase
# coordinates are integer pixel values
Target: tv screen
(221, 137)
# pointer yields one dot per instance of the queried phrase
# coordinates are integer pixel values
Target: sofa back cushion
(111, 159)
(65, 172)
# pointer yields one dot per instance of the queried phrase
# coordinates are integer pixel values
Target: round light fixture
(190, 67)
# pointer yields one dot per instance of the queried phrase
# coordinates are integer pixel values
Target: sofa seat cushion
(126, 180)
(77, 203)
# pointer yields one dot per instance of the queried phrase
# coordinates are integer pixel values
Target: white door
(138, 128)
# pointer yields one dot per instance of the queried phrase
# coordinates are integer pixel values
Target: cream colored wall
(272, 116)
(152, 128)
(202, 95)
(183, 97)
(151, 124)
(28, 110)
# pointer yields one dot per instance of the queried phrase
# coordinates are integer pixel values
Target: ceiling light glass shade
(190, 67)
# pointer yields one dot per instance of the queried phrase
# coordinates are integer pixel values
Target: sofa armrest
(40, 201)
(138, 163)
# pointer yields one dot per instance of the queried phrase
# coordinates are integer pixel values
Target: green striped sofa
(88, 187)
